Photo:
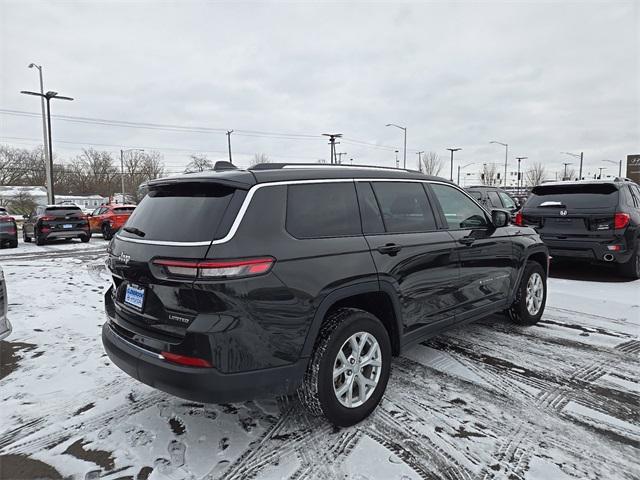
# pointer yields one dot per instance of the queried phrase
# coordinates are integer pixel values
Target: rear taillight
(518, 219)
(47, 218)
(186, 360)
(620, 220)
(211, 269)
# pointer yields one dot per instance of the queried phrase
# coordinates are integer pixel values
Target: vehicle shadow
(586, 272)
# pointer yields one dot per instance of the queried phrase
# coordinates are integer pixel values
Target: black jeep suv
(596, 221)
(236, 284)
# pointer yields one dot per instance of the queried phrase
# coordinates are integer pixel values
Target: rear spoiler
(152, 184)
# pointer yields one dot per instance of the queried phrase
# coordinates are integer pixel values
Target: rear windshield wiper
(135, 231)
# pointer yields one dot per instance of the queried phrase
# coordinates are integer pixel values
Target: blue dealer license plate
(134, 296)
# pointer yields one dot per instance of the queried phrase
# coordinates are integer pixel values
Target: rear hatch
(62, 218)
(121, 215)
(7, 225)
(572, 210)
(175, 222)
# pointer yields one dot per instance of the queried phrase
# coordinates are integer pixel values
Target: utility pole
(420, 160)
(564, 177)
(48, 96)
(339, 154)
(333, 143)
(518, 183)
(48, 161)
(575, 155)
(619, 166)
(600, 174)
(452, 150)
(122, 152)
(229, 132)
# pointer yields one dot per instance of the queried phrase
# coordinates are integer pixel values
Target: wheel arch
(372, 297)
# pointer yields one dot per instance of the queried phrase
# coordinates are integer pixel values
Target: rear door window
(507, 201)
(574, 196)
(459, 210)
(369, 209)
(182, 212)
(122, 210)
(494, 199)
(405, 207)
(319, 210)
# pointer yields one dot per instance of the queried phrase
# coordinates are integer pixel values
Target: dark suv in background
(56, 222)
(285, 279)
(8, 230)
(595, 221)
(493, 197)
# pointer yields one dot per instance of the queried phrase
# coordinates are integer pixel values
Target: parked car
(108, 219)
(308, 280)
(5, 325)
(493, 197)
(8, 230)
(595, 221)
(55, 222)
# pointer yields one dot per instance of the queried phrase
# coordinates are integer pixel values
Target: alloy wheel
(357, 369)
(535, 293)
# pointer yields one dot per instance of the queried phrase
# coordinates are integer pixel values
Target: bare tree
(432, 164)
(140, 167)
(535, 174)
(22, 203)
(259, 158)
(198, 163)
(489, 174)
(571, 174)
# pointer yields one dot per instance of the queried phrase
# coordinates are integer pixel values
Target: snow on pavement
(490, 400)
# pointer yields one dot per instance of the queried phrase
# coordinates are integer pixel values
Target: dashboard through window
(459, 210)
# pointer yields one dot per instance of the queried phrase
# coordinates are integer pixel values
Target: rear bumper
(4, 236)
(65, 234)
(588, 250)
(199, 384)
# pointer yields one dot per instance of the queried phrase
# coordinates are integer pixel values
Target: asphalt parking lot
(559, 400)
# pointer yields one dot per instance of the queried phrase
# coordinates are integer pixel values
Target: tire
(14, 243)
(317, 392)
(107, 233)
(39, 240)
(85, 238)
(631, 269)
(519, 312)
(25, 237)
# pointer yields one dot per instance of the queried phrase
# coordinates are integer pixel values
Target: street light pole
(506, 157)
(420, 160)
(575, 155)
(48, 161)
(48, 96)
(405, 142)
(462, 168)
(600, 174)
(452, 150)
(564, 177)
(616, 163)
(518, 183)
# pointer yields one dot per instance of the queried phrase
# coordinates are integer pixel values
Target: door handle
(390, 249)
(467, 240)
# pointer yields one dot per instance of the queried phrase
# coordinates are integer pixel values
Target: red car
(108, 219)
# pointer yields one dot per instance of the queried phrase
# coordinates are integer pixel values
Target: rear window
(62, 211)
(404, 207)
(594, 195)
(185, 212)
(123, 209)
(319, 210)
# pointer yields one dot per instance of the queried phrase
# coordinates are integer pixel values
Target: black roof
(289, 172)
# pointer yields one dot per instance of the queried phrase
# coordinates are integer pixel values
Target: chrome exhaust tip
(608, 257)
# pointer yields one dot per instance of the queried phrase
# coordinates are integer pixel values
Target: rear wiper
(135, 231)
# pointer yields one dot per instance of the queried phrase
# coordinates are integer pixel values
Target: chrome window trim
(247, 201)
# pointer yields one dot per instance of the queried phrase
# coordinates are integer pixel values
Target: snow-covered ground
(491, 400)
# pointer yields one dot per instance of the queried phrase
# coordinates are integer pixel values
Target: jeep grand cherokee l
(284, 279)
(595, 221)
(55, 222)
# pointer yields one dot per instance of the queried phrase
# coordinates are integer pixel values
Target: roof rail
(276, 166)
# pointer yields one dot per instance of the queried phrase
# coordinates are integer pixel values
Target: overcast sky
(544, 77)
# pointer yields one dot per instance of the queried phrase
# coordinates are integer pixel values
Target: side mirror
(499, 218)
